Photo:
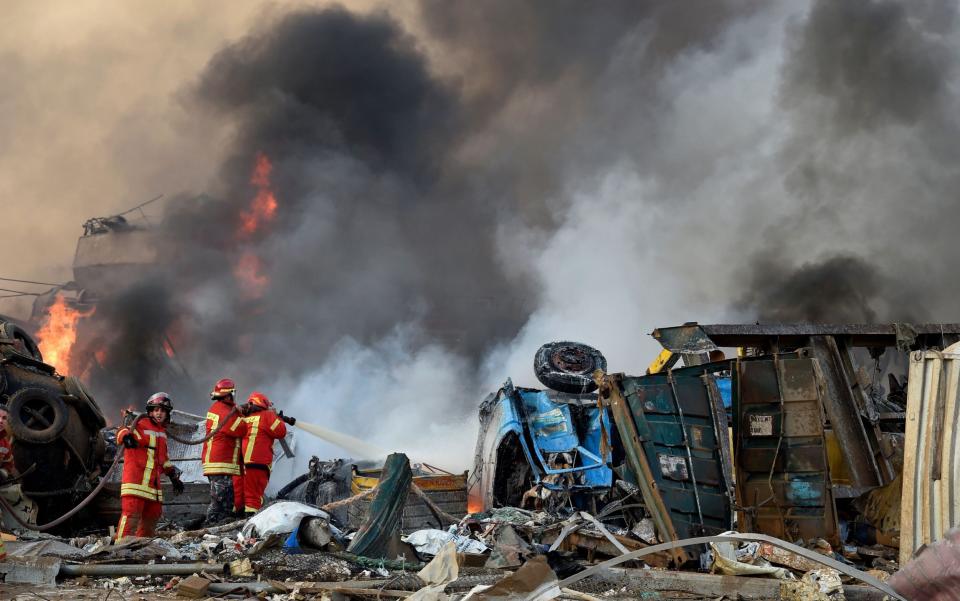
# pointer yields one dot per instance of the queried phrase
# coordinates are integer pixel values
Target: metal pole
(153, 569)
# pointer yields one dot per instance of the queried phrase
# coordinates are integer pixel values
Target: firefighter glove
(290, 420)
(129, 441)
(177, 484)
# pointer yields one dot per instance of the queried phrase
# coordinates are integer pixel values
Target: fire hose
(103, 481)
(205, 438)
(41, 528)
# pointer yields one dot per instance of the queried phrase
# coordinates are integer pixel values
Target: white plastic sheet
(280, 518)
(430, 542)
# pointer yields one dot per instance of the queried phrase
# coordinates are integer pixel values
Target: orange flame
(264, 204)
(58, 333)
(249, 272)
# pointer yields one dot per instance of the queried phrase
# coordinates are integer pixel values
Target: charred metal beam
(140, 569)
(843, 402)
(696, 338)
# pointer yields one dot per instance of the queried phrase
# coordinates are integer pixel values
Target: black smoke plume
(836, 290)
(393, 182)
(867, 170)
(493, 172)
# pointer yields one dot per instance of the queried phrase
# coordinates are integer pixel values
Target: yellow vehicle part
(663, 361)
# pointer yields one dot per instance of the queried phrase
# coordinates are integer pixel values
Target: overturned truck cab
(540, 447)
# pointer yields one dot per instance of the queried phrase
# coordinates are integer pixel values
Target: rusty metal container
(783, 477)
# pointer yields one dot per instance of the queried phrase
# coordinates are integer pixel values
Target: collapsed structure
(825, 443)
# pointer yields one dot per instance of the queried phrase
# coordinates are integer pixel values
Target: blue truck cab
(535, 441)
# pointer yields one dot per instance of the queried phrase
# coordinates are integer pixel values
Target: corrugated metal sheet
(930, 504)
(783, 479)
(679, 422)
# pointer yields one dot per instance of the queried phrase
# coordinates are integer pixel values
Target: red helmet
(258, 399)
(162, 400)
(223, 388)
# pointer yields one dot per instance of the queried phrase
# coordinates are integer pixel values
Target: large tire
(568, 366)
(36, 415)
(15, 332)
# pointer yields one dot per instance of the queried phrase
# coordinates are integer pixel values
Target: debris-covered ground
(292, 550)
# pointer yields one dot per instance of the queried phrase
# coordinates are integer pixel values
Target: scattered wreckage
(823, 422)
(55, 424)
(807, 459)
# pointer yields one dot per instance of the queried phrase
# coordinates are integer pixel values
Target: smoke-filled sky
(458, 183)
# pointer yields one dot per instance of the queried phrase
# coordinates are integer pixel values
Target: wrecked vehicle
(815, 450)
(534, 443)
(55, 425)
(658, 439)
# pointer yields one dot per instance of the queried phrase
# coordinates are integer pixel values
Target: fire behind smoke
(58, 333)
(263, 208)
(249, 268)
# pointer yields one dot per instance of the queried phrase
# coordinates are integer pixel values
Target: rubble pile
(292, 550)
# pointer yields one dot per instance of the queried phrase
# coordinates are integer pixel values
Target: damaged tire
(568, 366)
(36, 415)
(16, 333)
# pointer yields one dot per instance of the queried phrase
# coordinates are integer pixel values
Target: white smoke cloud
(391, 394)
(632, 253)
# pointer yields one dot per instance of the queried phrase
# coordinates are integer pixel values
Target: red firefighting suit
(260, 428)
(221, 454)
(141, 499)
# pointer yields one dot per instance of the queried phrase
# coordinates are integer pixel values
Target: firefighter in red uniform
(221, 454)
(260, 428)
(144, 459)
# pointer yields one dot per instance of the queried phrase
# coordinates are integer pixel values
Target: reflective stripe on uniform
(274, 425)
(138, 490)
(213, 417)
(253, 430)
(121, 527)
(221, 468)
(236, 442)
(149, 465)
